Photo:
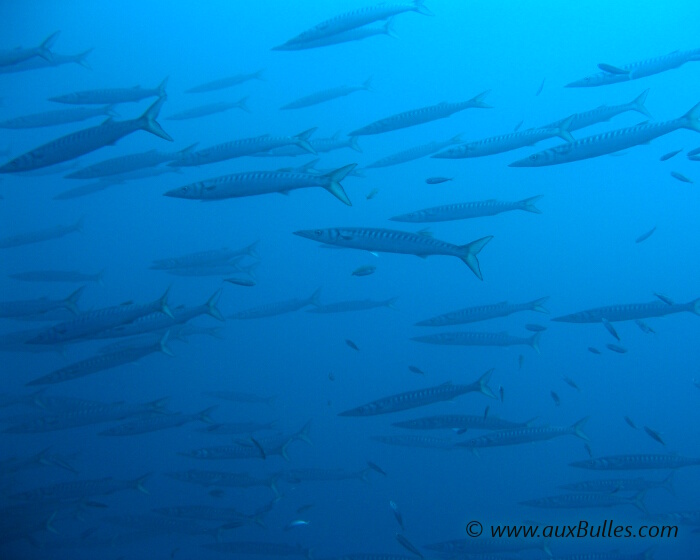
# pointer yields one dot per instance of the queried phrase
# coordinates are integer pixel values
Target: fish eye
(534, 157)
(318, 232)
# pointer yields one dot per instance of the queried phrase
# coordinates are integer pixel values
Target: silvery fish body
(630, 311)
(60, 116)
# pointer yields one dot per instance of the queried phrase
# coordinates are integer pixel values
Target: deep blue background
(580, 252)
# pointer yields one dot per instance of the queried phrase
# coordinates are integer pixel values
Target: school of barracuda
(237, 472)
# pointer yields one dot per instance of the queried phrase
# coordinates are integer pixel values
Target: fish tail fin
(78, 226)
(242, 103)
(250, 270)
(148, 120)
(667, 484)
(212, 308)
(694, 306)
(478, 100)
(534, 341)
(577, 429)
(353, 144)
(251, 250)
(691, 119)
(44, 49)
(203, 416)
(162, 86)
(302, 140)
(563, 131)
(80, 59)
(315, 298)
(390, 29)
(334, 187)
(138, 483)
(163, 344)
(419, 6)
(528, 204)
(638, 104)
(367, 84)
(638, 502)
(482, 384)
(162, 304)
(538, 305)
(390, 303)
(469, 252)
(303, 434)
(273, 485)
(49, 527)
(188, 150)
(71, 301)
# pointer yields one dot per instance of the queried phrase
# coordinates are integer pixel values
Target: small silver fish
(414, 369)
(397, 514)
(653, 434)
(296, 523)
(371, 194)
(555, 398)
(438, 180)
(645, 328)
(539, 90)
(365, 270)
(682, 178)
(486, 412)
(630, 422)
(571, 383)
(646, 235)
(593, 350)
(521, 361)
(667, 300)
(669, 155)
(610, 328)
(351, 344)
(376, 468)
(241, 281)
(616, 348)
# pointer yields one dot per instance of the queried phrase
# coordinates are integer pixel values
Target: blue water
(580, 251)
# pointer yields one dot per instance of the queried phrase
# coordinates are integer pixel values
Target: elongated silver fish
(422, 115)
(277, 308)
(466, 210)
(587, 500)
(636, 70)
(111, 96)
(320, 145)
(28, 308)
(611, 141)
(426, 442)
(211, 109)
(460, 423)
(480, 339)
(393, 241)
(507, 142)
(645, 236)
(67, 276)
(354, 19)
(225, 479)
(615, 485)
(102, 362)
(357, 34)
(38, 63)
(346, 306)
(421, 397)
(88, 140)
(30, 237)
(414, 153)
(484, 312)
(260, 448)
(60, 116)
(10, 58)
(120, 166)
(86, 416)
(604, 113)
(158, 422)
(328, 95)
(636, 462)
(92, 322)
(80, 489)
(263, 182)
(227, 82)
(630, 311)
(244, 147)
(205, 258)
(527, 434)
